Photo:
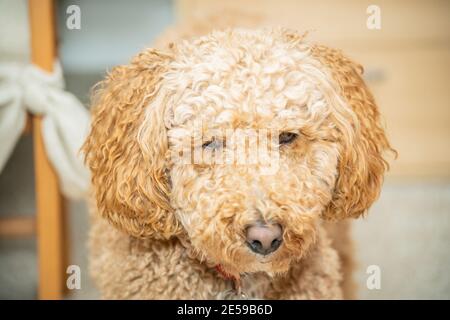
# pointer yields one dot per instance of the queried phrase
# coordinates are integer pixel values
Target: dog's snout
(264, 238)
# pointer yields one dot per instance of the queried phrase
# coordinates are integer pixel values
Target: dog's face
(245, 96)
(241, 141)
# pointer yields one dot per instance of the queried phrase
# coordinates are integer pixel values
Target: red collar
(237, 285)
(224, 274)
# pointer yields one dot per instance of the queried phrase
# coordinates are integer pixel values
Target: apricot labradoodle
(167, 228)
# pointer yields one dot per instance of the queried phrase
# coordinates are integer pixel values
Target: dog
(167, 228)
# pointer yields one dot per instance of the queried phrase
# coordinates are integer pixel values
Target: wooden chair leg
(65, 244)
(50, 225)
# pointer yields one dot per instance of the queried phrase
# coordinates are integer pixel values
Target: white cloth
(25, 87)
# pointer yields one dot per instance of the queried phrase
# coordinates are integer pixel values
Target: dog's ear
(363, 142)
(129, 181)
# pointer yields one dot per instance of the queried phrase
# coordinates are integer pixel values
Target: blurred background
(407, 66)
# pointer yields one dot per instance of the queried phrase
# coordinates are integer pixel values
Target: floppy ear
(361, 164)
(129, 181)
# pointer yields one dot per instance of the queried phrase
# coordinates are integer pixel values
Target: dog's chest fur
(124, 267)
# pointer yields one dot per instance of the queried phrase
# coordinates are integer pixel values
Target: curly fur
(174, 221)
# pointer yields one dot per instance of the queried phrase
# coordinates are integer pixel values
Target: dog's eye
(212, 144)
(287, 137)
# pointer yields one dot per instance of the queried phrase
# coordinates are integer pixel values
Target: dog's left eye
(287, 137)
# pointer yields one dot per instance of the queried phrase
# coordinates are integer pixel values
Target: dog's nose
(264, 238)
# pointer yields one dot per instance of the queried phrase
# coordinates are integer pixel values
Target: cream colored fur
(166, 223)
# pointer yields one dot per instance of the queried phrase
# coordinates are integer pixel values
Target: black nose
(264, 238)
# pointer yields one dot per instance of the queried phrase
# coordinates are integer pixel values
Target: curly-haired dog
(173, 229)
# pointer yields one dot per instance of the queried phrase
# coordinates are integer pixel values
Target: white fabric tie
(65, 120)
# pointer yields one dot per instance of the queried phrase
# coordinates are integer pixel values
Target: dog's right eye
(212, 144)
